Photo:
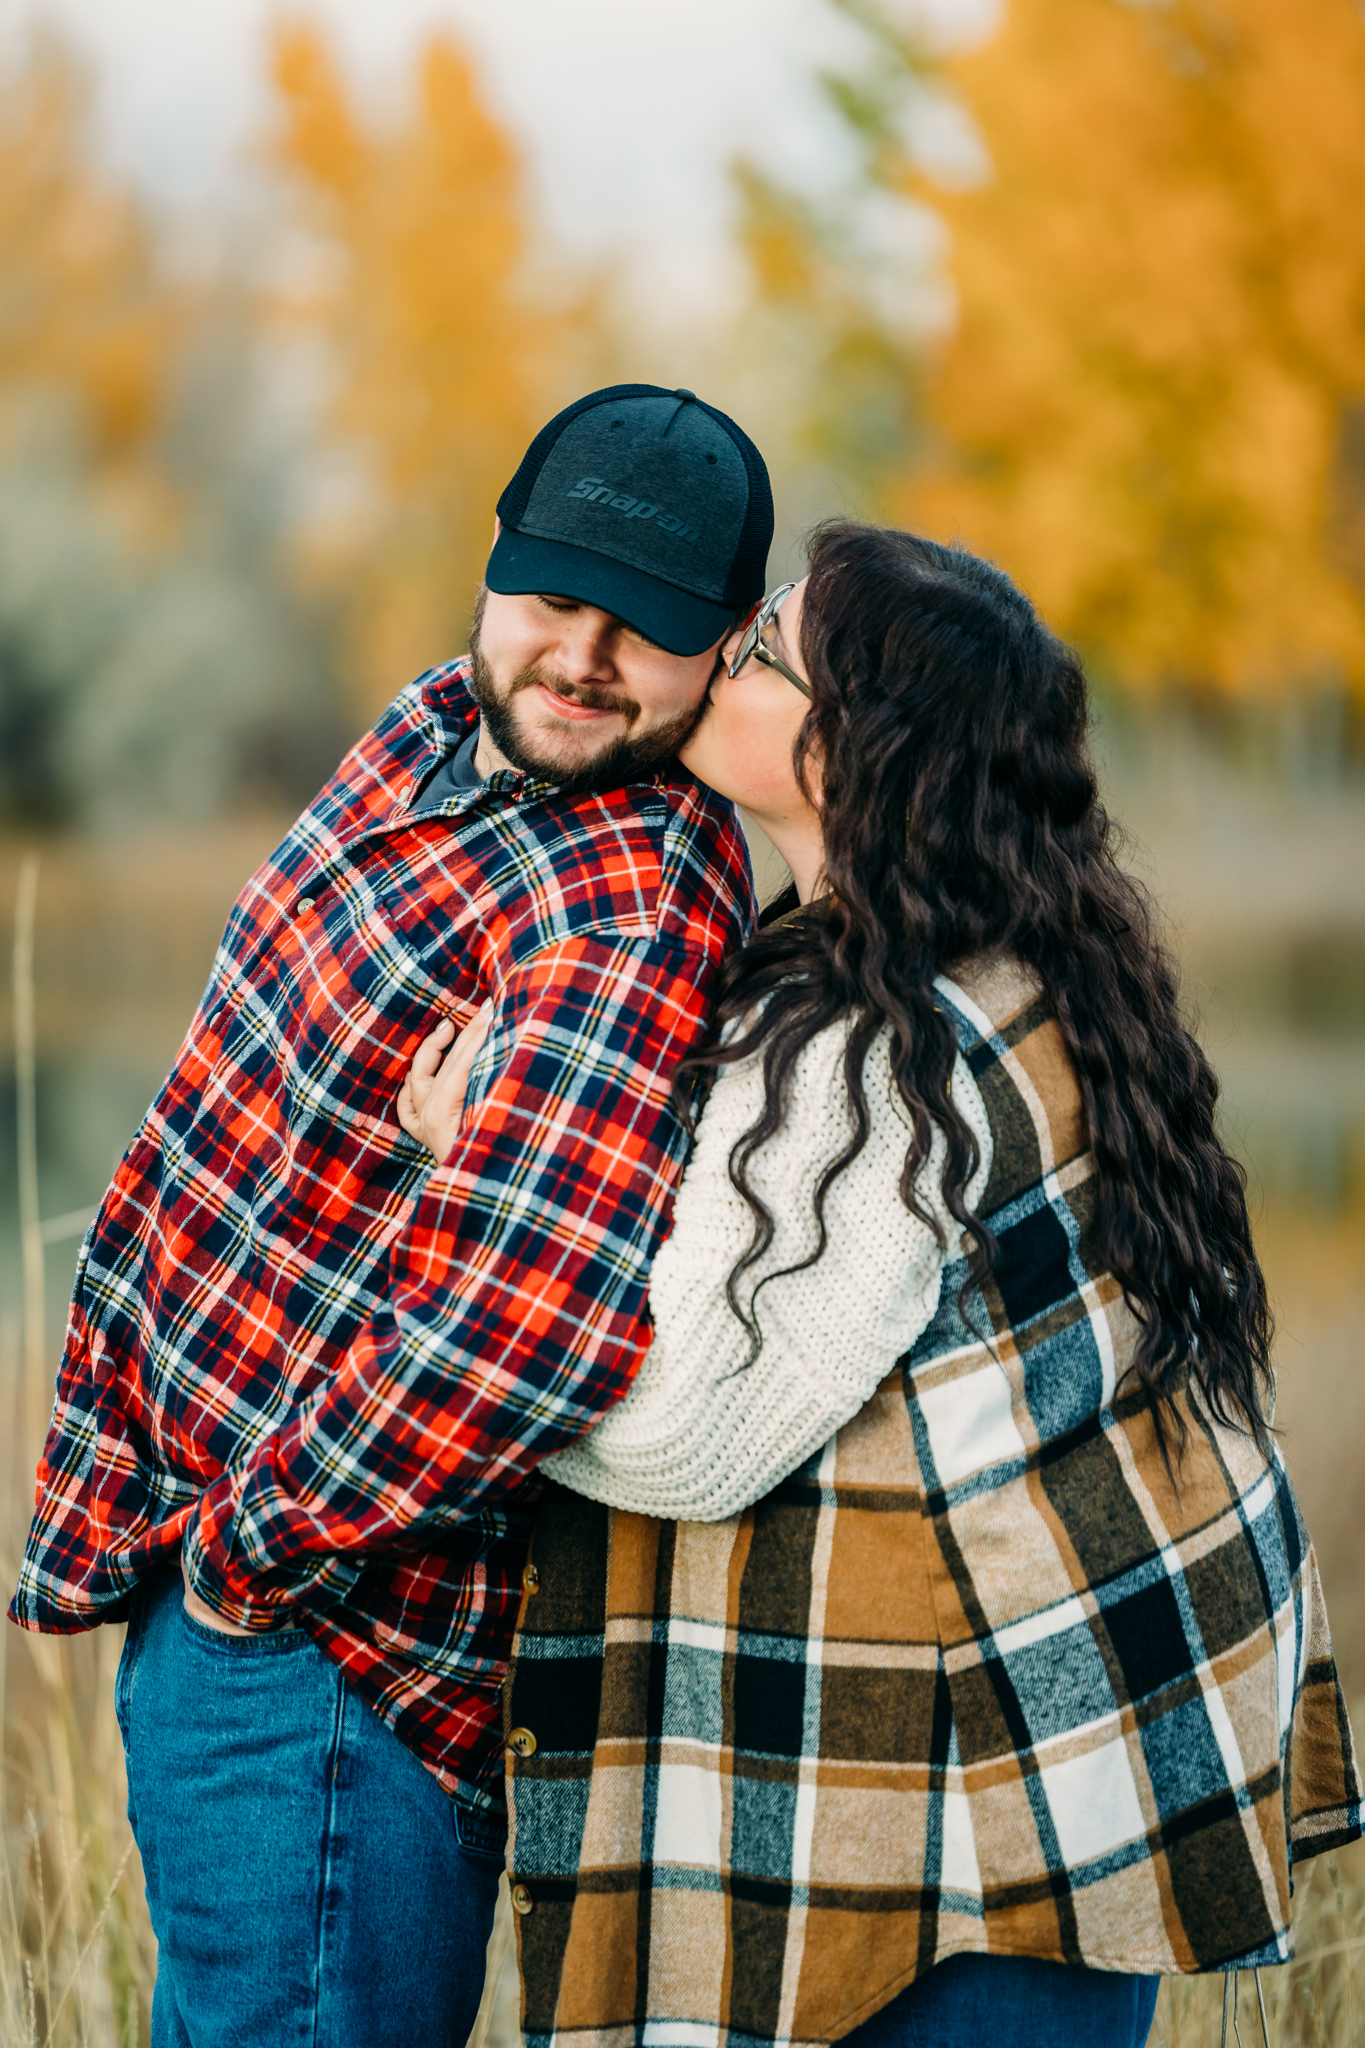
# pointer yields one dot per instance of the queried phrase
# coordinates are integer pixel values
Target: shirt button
(530, 1580)
(522, 1901)
(306, 903)
(405, 796)
(522, 1742)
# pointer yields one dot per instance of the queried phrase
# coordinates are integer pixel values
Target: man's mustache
(577, 693)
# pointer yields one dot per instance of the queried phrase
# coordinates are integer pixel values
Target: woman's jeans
(307, 1879)
(978, 2001)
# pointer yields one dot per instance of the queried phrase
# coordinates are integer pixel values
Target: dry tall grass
(1317, 2001)
(77, 1958)
(77, 1954)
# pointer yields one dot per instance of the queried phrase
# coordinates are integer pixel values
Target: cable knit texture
(702, 1434)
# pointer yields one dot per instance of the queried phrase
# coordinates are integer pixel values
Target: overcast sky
(629, 109)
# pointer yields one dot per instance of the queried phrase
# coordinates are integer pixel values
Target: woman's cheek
(760, 770)
(742, 755)
(707, 752)
(740, 747)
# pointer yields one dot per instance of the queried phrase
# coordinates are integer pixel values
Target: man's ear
(497, 528)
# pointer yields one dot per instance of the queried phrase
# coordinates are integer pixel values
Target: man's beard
(624, 760)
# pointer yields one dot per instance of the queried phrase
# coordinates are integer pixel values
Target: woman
(984, 1675)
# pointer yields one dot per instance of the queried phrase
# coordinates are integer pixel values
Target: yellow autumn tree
(155, 656)
(442, 355)
(1149, 410)
(85, 314)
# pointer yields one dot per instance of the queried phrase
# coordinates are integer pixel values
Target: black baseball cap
(643, 501)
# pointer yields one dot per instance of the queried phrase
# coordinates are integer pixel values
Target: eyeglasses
(753, 647)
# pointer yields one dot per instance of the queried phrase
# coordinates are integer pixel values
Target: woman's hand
(431, 1100)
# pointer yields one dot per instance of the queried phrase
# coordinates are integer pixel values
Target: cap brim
(679, 622)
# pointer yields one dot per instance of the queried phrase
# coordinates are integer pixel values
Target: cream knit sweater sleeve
(702, 1434)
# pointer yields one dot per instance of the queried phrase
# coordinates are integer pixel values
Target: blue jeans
(977, 2001)
(307, 1877)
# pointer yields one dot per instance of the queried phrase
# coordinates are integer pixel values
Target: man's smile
(570, 709)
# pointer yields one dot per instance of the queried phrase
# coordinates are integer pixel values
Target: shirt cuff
(231, 1592)
(258, 1596)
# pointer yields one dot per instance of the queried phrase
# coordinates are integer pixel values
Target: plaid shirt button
(530, 1580)
(522, 1742)
(306, 903)
(522, 1901)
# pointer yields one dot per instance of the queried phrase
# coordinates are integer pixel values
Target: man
(316, 1374)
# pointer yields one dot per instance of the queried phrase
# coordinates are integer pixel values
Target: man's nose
(586, 648)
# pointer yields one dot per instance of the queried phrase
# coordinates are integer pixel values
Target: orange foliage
(82, 312)
(439, 351)
(1162, 333)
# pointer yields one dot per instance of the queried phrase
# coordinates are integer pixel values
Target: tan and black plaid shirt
(976, 1677)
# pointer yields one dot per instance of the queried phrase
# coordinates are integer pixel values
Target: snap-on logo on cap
(599, 493)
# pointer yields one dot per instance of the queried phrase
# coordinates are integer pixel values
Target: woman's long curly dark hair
(961, 816)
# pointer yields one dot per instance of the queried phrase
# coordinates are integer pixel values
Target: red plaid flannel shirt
(323, 1367)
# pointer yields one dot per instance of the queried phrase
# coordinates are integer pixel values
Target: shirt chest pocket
(356, 991)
